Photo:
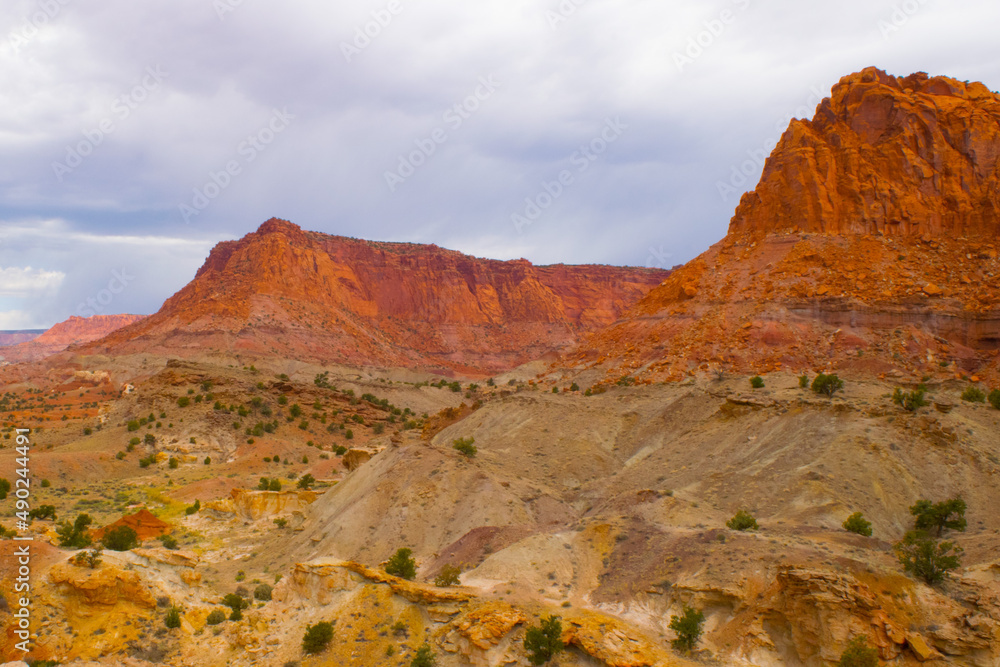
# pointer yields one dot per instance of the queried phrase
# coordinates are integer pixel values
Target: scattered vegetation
(974, 394)
(269, 484)
(994, 398)
(858, 654)
(193, 509)
(545, 641)
(217, 616)
(922, 556)
(449, 576)
(804, 382)
(173, 618)
(307, 482)
(757, 382)
(465, 446)
(688, 628)
(74, 535)
(910, 401)
(743, 520)
(168, 542)
(945, 515)
(120, 538)
(43, 512)
(90, 558)
(827, 385)
(317, 637)
(402, 564)
(856, 523)
(262, 593)
(424, 657)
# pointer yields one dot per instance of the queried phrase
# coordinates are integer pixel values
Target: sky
(136, 135)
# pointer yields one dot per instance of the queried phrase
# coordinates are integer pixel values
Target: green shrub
(120, 538)
(133, 425)
(449, 576)
(217, 616)
(4, 488)
(974, 394)
(757, 382)
(90, 558)
(923, 557)
(43, 512)
(173, 463)
(307, 482)
(193, 508)
(168, 541)
(317, 637)
(544, 642)
(994, 398)
(827, 385)
(173, 618)
(263, 593)
(402, 565)
(208, 460)
(120, 456)
(858, 654)
(804, 382)
(133, 442)
(280, 523)
(910, 401)
(424, 657)
(465, 446)
(948, 514)
(856, 523)
(183, 402)
(742, 521)
(574, 387)
(74, 535)
(687, 628)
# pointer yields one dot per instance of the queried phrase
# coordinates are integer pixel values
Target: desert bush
(465, 446)
(74, 535)
(827, 385)
(183, 402)
(994, 398)
(804, 382)
(856, 523)
(307, 482)
(317, 637)
(173, 618)
(545, 641)
(449, 576)
(688, 629)
(262, 592)
(910, 401)
(742, 521)
(757, 382)
(192, 509)
(173, 463)
(424, 657)
(923, 557)
(858, 654)
(402, 564)
(4, 488)
(168, 541)
(945, 515)
(120, 538)
(90, 558)
(974, 394)
(217, 616)
(133, 425)
(43, 512)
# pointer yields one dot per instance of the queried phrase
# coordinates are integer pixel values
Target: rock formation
(73, 331)
(282, 291)
(871, 243)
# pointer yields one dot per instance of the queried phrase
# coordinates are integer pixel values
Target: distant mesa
(289, 293)
(73, 331)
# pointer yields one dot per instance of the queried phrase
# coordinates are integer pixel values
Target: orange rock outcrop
(145, 524)
(913, 156)
(282, 291)
(870, 244)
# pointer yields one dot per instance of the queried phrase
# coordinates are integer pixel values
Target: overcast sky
(135, 135)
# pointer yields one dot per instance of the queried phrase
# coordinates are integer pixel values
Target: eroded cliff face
(909, 156)
(282, 291)
(870, 244)
(73, 331)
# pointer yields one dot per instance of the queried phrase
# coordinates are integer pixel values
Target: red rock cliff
(282, 291)
(73, 331)
(899, 156)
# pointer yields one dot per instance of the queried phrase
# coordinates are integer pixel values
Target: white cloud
(22, 282)
(15, 320)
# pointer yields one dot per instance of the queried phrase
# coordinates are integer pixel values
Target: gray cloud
(564, 67)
